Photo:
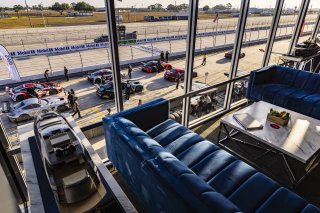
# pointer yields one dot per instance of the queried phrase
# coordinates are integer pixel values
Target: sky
(145, 3)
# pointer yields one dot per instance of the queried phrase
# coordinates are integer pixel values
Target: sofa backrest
(313, 82)
(158, 179)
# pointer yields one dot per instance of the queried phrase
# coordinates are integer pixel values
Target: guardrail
(88, 46)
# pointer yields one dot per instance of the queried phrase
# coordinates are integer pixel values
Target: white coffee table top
(300, 139)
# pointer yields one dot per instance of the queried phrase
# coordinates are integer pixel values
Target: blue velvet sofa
(172, 169)
(293, 89)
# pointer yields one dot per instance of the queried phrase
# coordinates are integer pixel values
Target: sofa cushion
(258, 91)
(313, 83)
(292, 101)
(289, 202)
(171, 134)
(231, 177)
(315, 112)
(253, 192)
(279, 98)
(168, 124)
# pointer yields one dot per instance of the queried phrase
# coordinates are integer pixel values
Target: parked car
(96, 76)
(27, 109)
(34, 90)
(102, 38)
(151, 66)
(171, 75)
(229, 54)
(69, 169)
(107, 90)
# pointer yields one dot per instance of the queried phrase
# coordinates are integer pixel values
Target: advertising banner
(12, 69)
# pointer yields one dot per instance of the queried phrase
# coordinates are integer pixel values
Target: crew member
(70, 100)
(129, 71)
(162, 56)
(204, 60)
(46, 75)
(76, 108)
(178, 80)
(128, 90)
(66, 73)
(167, 56)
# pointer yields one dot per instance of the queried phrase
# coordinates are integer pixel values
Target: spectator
(109, 111)
(178, 80)
(128, 90)
(129, 71)
(162, 56)
(139, 102)
(209, 103)
(167, 56)
(70, 100)
(200, 106)
(76, 108)
(46, 75)
(66, 73)
(204, 60)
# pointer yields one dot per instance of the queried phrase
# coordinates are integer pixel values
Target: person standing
(128, 90)
(66, 73)
(167, 56)
(70, 100)
(177, 80)
(159, 66)
(129, 71)
(72, 92)
(46, 75)
(76, 108)
(162, 56)
(109, 111)
(204, 60)
(139, 102)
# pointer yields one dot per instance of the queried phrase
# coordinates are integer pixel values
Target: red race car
(171, 75)
(152, 66)
(229, 54)
(31, 90)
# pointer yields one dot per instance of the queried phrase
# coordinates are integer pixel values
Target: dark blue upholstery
(171, 169)
(293, 89)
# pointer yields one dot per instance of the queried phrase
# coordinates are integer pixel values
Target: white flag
(12, 69)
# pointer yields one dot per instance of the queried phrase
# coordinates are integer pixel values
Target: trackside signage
(88, 46)
(12, 69)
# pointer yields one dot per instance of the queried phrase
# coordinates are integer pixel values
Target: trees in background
(83, 6)
(60, 7)
(156, 7)
(206, 8)
(17, 8)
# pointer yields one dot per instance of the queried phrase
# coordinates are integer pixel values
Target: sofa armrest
(147, 115)
(260, 76)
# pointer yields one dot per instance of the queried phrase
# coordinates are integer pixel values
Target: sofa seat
(226, 174)
(293, 89)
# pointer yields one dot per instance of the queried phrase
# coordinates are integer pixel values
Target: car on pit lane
(171, 75)
(27, 109)
(34, 90)
(96, 77)
(151, 66)
(229, 54)
(107, 90)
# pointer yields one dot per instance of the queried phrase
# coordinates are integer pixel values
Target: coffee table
(300, 139)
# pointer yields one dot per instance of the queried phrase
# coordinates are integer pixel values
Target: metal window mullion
(316, 28)
(115, 61)
(190, 47)
(272, 32)
(298, 26)
(237, 49)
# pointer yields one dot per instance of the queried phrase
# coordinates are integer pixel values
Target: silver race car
(27, 109)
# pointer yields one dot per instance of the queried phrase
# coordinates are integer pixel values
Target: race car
(96, 76)
(171, 75)
(151, 66)
(34, 90)
(107, 90)
(229, 55)
(27, 109)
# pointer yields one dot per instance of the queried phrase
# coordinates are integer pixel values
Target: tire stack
(177, 116)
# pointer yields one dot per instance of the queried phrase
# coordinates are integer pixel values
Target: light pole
(28, 13)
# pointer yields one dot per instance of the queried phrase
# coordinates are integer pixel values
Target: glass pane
(285, 29)
(157, 53)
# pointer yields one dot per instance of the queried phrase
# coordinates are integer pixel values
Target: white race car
(27, 109)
